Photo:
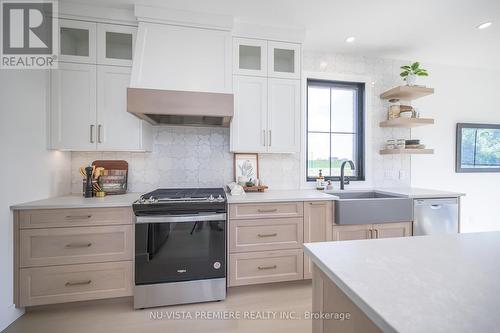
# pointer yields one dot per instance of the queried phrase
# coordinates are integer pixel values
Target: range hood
(181, 74)
(172, 107)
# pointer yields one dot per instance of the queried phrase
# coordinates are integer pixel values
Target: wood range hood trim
(196, 108)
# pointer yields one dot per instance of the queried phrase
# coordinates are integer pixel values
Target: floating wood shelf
(406, 151)
(407, 122)
(407, 93)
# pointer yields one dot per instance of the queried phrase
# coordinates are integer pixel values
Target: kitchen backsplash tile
(185, 156)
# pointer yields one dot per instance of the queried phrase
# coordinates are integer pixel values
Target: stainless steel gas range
(180, 247)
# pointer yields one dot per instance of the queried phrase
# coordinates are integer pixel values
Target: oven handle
(180, 218)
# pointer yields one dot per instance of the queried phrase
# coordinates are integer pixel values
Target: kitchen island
(445, 283)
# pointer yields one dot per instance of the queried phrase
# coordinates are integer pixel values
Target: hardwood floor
(115, 316)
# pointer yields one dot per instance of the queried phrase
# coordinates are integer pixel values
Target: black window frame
(360, 133)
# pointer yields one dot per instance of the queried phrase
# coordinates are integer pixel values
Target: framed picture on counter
(478, 148)
(246, 166)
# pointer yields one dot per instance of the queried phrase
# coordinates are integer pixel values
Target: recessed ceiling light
(350, 39)
(484, 25)
(323, 64)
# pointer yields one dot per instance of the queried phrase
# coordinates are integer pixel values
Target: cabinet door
(77, 41)
(389, 230)
(283, 60)
(116, 128)
(248, 127)
(115, 44)
(351, 232)
(317, 227)
(73, 107)
(249, 56)
(283, 116)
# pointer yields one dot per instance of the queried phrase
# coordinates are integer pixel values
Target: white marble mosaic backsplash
(185, 156)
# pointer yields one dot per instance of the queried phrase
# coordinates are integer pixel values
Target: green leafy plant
(413, 69)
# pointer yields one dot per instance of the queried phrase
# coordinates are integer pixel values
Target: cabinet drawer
(264, 267)
(60, 246)
(262, 235)
(266, 210)
(59, 284)
(75, 217)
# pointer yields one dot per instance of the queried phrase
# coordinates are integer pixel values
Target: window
(335, 129)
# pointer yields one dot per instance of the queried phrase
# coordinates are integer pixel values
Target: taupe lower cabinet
(370, 231)
(266, 239)
(66, 255)
(318, 219)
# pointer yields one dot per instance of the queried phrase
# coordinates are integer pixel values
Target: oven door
(180, 248)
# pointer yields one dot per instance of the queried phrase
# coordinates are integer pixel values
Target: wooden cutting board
(111, 164)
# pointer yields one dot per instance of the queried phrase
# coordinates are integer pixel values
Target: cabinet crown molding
(183, 17)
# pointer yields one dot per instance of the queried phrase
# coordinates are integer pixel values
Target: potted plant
(410, 73)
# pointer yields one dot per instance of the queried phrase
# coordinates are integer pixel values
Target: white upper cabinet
(284, 60)
(267, 115)
(250, 56)
(249, 124)
(182, 58)
(283, 116)
(77, 41)
(73, 107)
(115, 44)
(116, 128)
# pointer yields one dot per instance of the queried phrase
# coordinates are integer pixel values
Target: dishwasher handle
(436, 203)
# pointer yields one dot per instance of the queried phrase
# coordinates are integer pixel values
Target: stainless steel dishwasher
(435, 216)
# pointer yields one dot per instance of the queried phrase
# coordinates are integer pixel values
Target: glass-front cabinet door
(284, 60)
(115, 44)
(77, 41)
(250, 57)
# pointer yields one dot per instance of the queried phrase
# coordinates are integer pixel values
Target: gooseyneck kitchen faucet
(345, 180)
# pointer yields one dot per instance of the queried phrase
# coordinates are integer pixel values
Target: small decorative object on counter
(242, 180)
(320, 181)
(89, 189)
(329, 185)
(260, 188)
(401, 144)
(235, 189)
(245, 166)
(250, 183)
(391, 144)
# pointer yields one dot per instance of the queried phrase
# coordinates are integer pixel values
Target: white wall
(29, 170)
(461, 95)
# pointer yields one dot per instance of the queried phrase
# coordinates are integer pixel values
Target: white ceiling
(437, 31)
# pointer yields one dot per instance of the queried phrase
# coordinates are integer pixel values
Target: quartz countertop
(441, 283)
(419, 193)
(280, 196)
(78, 201)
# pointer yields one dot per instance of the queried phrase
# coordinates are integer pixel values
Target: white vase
(411, 80)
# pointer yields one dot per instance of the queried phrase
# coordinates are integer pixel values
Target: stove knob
(220, 198)
(211, 198)
(151, 200)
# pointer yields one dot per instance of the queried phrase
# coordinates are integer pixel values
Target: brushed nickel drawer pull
(261, 268)
(78, 283)
(77, 245)
(267, 235)
(78, 217)
(267, 210)
(317, 203)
